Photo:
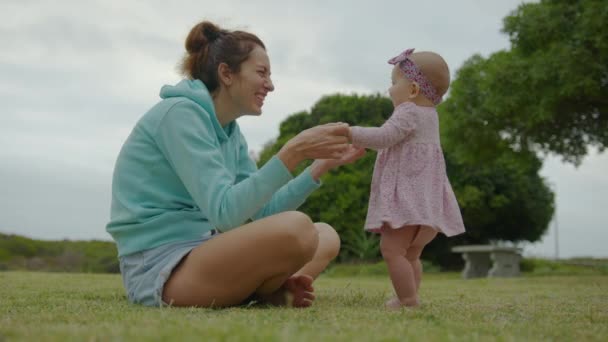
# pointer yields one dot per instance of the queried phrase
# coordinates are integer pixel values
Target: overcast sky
(75, 76)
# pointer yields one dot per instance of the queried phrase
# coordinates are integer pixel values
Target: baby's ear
(414, 90)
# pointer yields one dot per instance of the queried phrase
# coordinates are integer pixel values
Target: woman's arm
(293, 194)
(289, 197)
(187, 139)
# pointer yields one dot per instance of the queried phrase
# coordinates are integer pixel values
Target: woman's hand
(329, 141)
(321, 166)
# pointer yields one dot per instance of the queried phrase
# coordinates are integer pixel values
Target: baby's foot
(393, 304)
(396, 304)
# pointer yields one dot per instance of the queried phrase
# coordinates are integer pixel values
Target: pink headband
(412, 73)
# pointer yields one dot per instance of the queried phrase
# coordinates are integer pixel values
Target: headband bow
(412, 73)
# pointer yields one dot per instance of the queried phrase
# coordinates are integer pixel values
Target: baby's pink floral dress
(410, 185)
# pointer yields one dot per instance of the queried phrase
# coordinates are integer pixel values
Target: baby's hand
(353, 154)
(349, 132)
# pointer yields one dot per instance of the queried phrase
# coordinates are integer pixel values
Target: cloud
(581, 196)
(77, 75)
(52, 200)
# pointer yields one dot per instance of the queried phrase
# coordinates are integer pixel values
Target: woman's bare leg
(327, 250)
(256, 258)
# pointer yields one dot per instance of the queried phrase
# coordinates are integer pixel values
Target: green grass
(92, 307)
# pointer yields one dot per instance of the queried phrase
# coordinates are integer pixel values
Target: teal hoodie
(180, 174)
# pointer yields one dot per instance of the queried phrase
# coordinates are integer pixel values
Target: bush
(535, 266)
(21, 253)
(370, 269)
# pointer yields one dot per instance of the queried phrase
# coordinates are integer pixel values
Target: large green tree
(547, 93)
(502, 200)
(342, 200)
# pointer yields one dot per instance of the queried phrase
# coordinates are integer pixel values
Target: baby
(411, 197)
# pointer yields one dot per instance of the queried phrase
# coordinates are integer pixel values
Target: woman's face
(253, 82)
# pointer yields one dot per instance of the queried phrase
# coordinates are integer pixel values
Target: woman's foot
(296, 291)
(396, 304)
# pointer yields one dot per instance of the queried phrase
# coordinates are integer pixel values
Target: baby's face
(401, 87)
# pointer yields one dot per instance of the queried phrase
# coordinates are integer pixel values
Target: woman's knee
(329, 239)
(300, 234)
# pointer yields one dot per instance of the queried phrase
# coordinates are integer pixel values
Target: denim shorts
(145, 273)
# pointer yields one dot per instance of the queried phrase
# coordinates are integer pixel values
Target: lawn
(92, 307)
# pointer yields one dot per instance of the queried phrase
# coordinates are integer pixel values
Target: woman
(184, 188)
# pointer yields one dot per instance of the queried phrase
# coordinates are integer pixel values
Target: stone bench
(489, 261)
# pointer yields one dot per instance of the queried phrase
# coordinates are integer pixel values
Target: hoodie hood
(196, 91)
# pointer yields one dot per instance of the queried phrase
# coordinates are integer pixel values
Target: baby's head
(419, 77)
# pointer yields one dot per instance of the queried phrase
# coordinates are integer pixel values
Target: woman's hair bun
(202, 35)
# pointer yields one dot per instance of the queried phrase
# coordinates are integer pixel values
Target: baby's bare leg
(425, 235)
(417, 270)
(394, 244)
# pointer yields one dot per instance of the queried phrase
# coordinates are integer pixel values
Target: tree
(502, 200)
(342, 200)
(506, 200)
(547, 93)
